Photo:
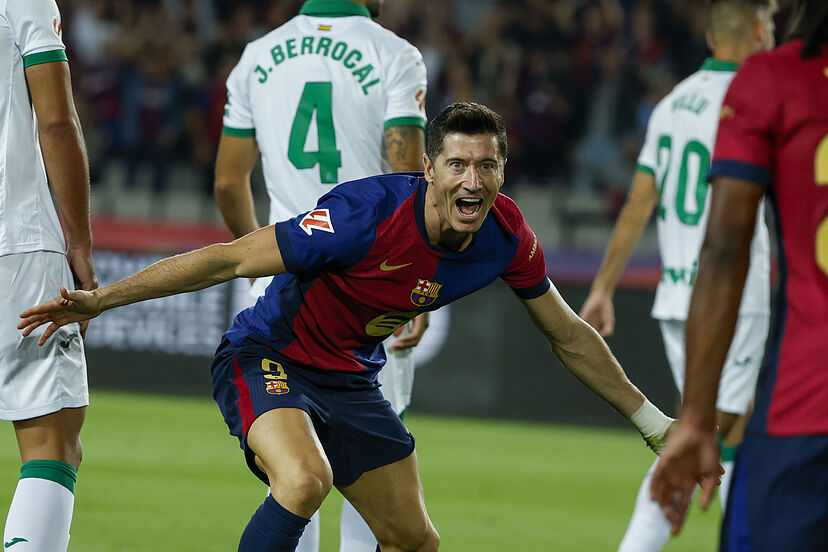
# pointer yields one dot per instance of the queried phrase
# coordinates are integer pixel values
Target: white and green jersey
(677, 150)
(317, 94)
(30, 33)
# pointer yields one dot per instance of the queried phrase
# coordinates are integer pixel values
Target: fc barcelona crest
(278, 387)
(425, 293)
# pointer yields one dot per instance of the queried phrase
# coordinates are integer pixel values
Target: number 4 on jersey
(316, 97)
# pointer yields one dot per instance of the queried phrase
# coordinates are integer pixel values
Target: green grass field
(162, 474)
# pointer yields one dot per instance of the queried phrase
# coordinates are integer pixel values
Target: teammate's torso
(799, 192)
(334, 314)
(318, 89)
(682, 134)
(28, 221)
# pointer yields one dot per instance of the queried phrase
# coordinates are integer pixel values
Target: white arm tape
(650, 421)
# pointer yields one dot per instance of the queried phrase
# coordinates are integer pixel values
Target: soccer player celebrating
(773, 138)
(295, 375)
(42, 390)
(672, 178)
(319, 97)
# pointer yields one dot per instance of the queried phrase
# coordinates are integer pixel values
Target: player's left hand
(407, 340)
(68, 307)
(691, 457)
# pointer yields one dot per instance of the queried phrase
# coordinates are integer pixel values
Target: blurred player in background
(43, 390)
(323, 98)
(672, 178)
(773, 138)
(295, 376)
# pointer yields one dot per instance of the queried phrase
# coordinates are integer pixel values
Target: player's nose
(472, 180)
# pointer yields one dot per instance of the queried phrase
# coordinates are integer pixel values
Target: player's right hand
(68, 307)
(691, 457)
(599, 313)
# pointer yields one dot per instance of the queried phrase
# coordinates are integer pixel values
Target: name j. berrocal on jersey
(339, 51)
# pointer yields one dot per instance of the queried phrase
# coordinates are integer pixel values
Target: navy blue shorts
(358, 429)
(778, 498)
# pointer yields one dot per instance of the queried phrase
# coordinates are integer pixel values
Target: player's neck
(439, 231)
(733, 53)
(454, 241)
(443, 235)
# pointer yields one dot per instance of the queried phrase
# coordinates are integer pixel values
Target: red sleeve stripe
(245, 405)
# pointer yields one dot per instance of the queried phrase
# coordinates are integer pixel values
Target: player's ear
(708, 37)
(763, 29)
(428, 169)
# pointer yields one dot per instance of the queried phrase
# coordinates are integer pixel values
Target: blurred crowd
(574, 79)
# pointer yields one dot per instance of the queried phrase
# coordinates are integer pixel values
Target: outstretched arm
(598, 311)
(586, 355)
(692, 454)
(251, 256)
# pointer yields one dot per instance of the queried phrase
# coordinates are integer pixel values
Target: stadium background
(575, 81)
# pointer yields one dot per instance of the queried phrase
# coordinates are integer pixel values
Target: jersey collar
(333, 8)
(711, 64)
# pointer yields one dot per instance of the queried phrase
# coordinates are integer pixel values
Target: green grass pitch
(162, 474)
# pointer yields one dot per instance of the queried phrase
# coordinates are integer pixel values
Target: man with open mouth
(295, 375)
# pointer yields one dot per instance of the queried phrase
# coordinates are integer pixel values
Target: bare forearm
(628, 229)
(235, 201)
(633, 218)
(589, 359)
(67, 167)
(186, 272)
(714, 310)
(717, 293)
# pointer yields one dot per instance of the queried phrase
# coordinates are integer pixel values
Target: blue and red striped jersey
(774, 132)
(361, 265)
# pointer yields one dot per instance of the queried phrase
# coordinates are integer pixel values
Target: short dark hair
(810, 23)
(465, 118)
(729, 20)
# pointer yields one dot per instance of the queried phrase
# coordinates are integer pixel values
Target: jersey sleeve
(407, 91)
(526, 274)
(336, 234)
(37, 30)
(744, 141)
(238, 115)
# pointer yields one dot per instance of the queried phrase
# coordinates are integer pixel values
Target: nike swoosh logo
(14, 541)
(387, 267)
(65, 344)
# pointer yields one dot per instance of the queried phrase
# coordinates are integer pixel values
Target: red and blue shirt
(361, 265)
(774, 132)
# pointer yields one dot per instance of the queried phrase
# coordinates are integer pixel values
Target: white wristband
(652, 423)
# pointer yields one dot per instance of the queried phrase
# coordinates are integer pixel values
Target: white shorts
(396, 377)
(741, 369)
(35, 381)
